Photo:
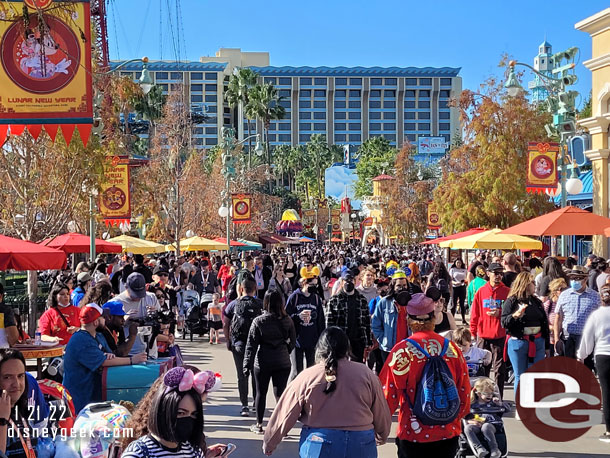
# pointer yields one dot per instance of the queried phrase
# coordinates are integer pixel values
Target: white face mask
(63, 305)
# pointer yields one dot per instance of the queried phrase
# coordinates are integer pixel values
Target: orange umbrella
(459, 235)
(565, 221)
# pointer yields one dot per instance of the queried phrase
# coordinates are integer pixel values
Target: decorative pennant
(434, 219)
(85, 132)
(35, 130)
(67, 130)
(51, 130)
(3, 133)
(17, 129)
(242, 208)
(114, 199)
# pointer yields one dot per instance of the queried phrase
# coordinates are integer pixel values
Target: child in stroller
(477, 359)
(483, 428)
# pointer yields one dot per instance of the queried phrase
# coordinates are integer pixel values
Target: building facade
(347, 104)
(543, 62)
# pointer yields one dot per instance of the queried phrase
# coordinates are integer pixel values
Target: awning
(73, 242)
(493, 240)
(20, 254)
(565, 221)
(137, 246)
(274, 239)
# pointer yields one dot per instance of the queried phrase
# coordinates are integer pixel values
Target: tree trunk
(33, 301)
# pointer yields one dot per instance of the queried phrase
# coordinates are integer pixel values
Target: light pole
(561, 104)
(229, 143)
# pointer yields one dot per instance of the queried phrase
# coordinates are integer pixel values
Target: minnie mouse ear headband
(310, 273)
(182, 380)
(384, 281)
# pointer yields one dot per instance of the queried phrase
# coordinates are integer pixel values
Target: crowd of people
(345, 335)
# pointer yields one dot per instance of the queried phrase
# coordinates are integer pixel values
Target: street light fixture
(512, 86)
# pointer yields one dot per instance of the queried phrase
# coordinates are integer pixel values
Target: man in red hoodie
(485, 323)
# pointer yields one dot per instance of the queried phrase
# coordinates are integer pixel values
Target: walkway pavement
(223, 423)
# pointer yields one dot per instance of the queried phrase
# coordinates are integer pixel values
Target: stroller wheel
(191, 336)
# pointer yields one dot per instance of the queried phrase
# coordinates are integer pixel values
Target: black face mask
(402, 297)
(184, 428)
(312, 289)
(348, 287)
(383, 293)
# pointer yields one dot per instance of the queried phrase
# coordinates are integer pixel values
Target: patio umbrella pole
(33, 301)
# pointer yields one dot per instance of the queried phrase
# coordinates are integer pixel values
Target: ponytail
(333, 346)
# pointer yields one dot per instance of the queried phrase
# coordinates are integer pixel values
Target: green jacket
(473, 287)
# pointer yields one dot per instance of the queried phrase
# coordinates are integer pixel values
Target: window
(319, 93)
(445, 93)
(354, 126)
(339, 103)
(320, 81)
(211, 141)
(305, 93)
(339, 126)
(305, 81)
(425, 81)
(196, 98)
(390, 81)
(340, 115)
(443, 115)
(389, 104)
(423, 126)
(410, 115)
(211, 76)
(389, 93)
(409, 126)
(375, 126)
(283, 138)
(411, 137)
(211, 98)
(354, 92)
(374, 104)
(355, 137)
(287, 115)
(423, 115)
(409, 93)
(319, 104)
(354, 115)
(194, 76)
(285, 81)
(268, 79)
(339, 137)
(340, 93)
(445, 81)
(272, 137)
(389, 126)
(305, 115)
(409, 103)
(319, 126)
(304, 126)
(196, 87)
(284, 103)
(442, 104)
(444, 126)
(340, 81)
(199, 131)
(304, 104)
(375, 115)
(424, 93)
(304, 137)
(283, 126)
(423, 104)
(319, 115)
(161, 75)
(354, 103)
(389, 115)
(355, 81)
(411, 81)
(375, 93)
(391, 137)
(210, 87)
(271, 126)
(210, 130)
(284, 92)
(375, 81)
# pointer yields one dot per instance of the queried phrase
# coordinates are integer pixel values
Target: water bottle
(38, 339)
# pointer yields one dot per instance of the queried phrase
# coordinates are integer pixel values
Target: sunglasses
(160, 296)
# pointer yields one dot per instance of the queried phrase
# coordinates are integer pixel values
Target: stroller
(195, 320)
(492, 409)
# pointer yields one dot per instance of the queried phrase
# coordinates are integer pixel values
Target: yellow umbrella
(137, 246)
(201, 244)
(493, 240)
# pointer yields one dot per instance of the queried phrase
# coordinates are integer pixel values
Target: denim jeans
(517, 353)
(337, 443)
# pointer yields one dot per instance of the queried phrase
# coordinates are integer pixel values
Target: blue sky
(472, 34)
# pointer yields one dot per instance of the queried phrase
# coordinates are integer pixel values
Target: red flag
(3, 133)
(17, 129)
(35, 130)
(51, 130)
(67, 130)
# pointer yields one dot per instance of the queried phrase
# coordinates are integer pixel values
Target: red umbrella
(565, 221)
(23, 255)
(73, 242)
(459, 235)
(233, 242)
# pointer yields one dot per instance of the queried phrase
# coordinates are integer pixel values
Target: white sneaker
(495, 454)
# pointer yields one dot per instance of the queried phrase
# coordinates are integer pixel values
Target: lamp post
(561, 104)
(229, 143)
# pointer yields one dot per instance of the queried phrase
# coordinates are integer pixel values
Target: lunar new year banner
(242, 208)
(434, 220)
(114, 201)
(541, 166)
(45, 76)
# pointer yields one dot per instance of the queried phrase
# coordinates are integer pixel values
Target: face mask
(348, 287)
(402, 297)
(63, 305)
(184, 428)
(575, 284)
(311, 289)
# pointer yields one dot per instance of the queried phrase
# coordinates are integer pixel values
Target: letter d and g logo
(559, 399)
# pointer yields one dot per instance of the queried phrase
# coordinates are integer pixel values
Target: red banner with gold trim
(541, 166)
(114, 200)
(434, 219)
(242, 208)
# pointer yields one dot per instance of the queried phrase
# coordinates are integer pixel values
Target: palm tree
(321, 157)
(238, 94)
(150, 108)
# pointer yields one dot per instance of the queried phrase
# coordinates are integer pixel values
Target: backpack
(436, 397)
(246, 309)
(442, 285)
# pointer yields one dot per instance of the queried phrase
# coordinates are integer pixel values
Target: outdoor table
(39, 352)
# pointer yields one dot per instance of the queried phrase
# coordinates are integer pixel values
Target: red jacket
(400, 375)
(487, 299)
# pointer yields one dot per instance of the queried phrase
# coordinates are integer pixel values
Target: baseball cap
(420, 305)
(347, 275)
(495, 267)
(136, 285)
(89, 313)
(83, 277)
(115, 308)
(161, 269)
